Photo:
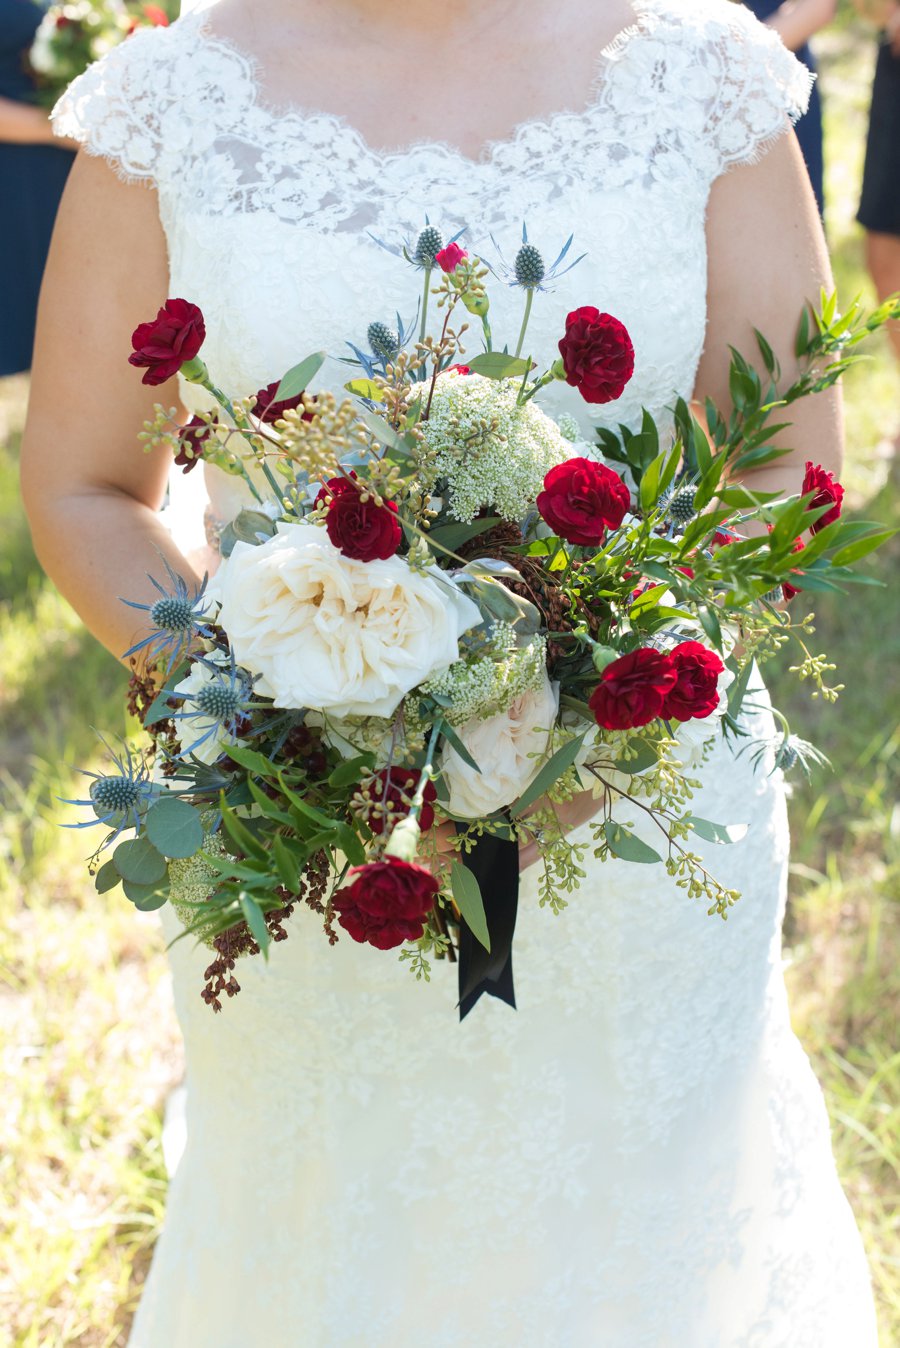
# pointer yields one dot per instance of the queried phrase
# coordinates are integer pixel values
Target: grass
(88, 1044)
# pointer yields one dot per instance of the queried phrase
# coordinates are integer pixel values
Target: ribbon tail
(494, 861)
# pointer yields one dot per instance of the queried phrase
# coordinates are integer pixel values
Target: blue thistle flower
(419, 252)
(177, 617)
(384, 343)
(215, 708)
(118, 799)
(528, 270)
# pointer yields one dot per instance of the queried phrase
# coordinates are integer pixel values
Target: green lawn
(87, 1035)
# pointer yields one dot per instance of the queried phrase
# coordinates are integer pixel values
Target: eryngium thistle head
(681, 506)
(219, 702)
(115, 795)
(428, 245)
(529, 266)
(173, 613)
(383, 340)
(787, 755)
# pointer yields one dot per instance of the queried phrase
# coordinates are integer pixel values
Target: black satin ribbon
(494, 861)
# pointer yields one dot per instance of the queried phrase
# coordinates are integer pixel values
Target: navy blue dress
(809, 127)
(32, 178)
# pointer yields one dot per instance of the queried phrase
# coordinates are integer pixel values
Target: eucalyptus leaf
(452, 536)
(552, 770)
(174, 828)
(366, 388)
(139, 862)
(467, 897)
(625, 844)
(456, 743)
(146, 898)
(298, 379)
(288, 871)
(717, 833)
(252, 761)
(107, 878)
(498, 365)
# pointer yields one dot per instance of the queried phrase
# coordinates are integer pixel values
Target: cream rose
(502, 746)
(326, 632)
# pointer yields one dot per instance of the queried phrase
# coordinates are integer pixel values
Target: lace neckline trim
(642, 11)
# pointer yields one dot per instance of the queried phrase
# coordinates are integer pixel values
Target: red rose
(696, 692)
(158, 17)
(788, 590)
(597, 354)
(192, 439)
(633, 689)
(163, 346)
(581, 499)
(387, 902)
(270, 411)
(827, 489)
(358, 529)
(449, 258)
(393, 788)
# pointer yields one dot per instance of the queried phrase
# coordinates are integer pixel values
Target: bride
(638, 1157)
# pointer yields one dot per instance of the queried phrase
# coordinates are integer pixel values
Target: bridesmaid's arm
(767, 259)
(90, 492)
(797, 20)
(23, 123)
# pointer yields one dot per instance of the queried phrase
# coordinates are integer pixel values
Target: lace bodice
(639, 1155)
(269, 212)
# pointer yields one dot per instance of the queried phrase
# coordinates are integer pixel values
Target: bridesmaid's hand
(575, 812)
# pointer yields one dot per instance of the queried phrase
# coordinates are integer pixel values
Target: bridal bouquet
(73, 35)
(440, 604)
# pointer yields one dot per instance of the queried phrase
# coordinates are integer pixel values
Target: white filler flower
(333, 634)
(509, 749)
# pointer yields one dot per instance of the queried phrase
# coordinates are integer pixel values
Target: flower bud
(603, 656)
(404, 840)
(558, 369)
(477, 302)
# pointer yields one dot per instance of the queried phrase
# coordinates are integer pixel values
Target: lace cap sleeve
(118, 108)
(755, 86)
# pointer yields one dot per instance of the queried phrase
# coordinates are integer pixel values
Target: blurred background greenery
(87, 1035)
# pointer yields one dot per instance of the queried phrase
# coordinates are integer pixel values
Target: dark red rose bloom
(827, 489)
(597, 354)
(633, 689)
(449, 258)
(270, 411)
(582, 499)
(193, 438)
(788, 590)
(61, 21)
(387, 902)
(361, 530)
(163, 346)
(696, 692)
(390, 786)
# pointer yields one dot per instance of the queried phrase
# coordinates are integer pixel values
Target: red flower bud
(828, 491)
(449, 258)
(193, 438)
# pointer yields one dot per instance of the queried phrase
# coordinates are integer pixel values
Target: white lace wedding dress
(638, 1157)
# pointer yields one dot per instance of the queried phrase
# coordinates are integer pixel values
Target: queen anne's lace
(638, 1157)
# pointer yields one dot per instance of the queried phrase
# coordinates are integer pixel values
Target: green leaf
(241, 835)
(645, 758)
(453, 536)
(139, 862)
(288, 871)
(253, 916)
(351, 770)
(267, 805)
(456, 743)
(146, 898)
(301, 806)
(717, 833)
(349, 843)
(159, 709)
(297, 379)
(625, 844)
(365, 388)
(467, 897)
(853, 552)
(385, 434)
(252, 872)
(107, 878)
(252, 761)
(551, 771)
(709, 621)
(738, 690)
(174, 828)
(498, 365)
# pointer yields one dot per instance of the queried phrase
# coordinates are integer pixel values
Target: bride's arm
(90, 493)
(767, 258)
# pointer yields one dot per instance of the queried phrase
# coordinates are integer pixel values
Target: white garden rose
(509, 749)
(327, 632)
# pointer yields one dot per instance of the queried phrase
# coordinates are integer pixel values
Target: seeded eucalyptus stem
(242, 424)
(529, 300)
(425, 293)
